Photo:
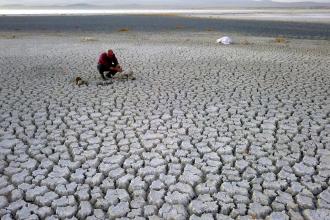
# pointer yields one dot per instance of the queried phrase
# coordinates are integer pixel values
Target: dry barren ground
(205, 132)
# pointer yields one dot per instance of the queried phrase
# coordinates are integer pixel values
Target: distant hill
(253, 4)
(70, 6)
(175, 4)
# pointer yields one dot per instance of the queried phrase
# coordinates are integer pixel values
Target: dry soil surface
(204, 132)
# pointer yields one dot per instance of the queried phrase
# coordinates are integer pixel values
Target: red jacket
(108, 61)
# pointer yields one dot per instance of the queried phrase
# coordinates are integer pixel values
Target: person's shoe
(103, 77)
(109, 75)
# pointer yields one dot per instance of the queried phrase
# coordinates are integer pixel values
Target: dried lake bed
(204, 132)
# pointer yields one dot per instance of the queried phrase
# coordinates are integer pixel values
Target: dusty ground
(218, 132)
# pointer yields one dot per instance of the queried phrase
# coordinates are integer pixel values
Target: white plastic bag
(225, 40)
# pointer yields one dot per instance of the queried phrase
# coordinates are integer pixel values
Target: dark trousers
(102, 68)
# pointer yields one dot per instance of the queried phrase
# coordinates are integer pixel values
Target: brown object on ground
(123, 30)
(280, 40)
(79, 81)
(210, 29)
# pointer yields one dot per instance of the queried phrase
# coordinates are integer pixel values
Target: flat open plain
(205, 132)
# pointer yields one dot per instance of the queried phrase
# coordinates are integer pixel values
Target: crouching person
(108, 65)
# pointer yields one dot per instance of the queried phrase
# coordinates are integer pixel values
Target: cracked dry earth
(205, 132)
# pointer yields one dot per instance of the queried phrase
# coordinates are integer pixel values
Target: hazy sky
(105, 2)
